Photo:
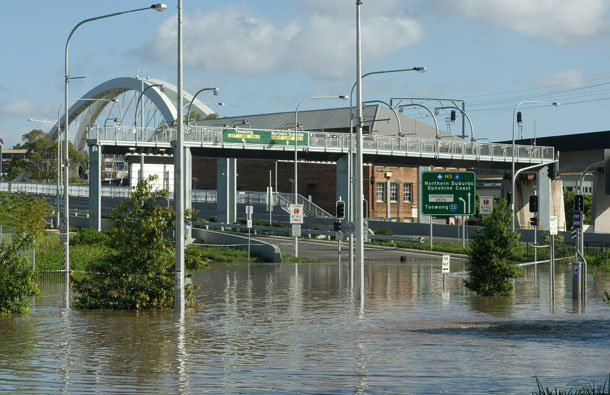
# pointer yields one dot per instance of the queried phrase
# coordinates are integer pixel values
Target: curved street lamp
(402, 106)
(156, 7)
(463, 113)
(296, 122)
(188, 111)
(391, 108)
(512, 196)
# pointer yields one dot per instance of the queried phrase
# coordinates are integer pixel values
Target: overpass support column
(421, 218)
(226, 187)
(342, 181)
(188, 188)
(601, 205)
(95, 186)
(523, 189)
(543, 187)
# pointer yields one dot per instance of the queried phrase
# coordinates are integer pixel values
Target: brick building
(391, 191)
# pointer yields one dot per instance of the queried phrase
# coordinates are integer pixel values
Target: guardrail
(338, 142)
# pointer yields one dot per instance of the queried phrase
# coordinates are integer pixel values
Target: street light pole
(179, 302)
(402, 106)
(296, 128)
(512, 196)
(157, 7)
(188, 112)
(464, 114)
(352, 154)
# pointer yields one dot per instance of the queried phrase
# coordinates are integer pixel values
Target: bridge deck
(279, 144)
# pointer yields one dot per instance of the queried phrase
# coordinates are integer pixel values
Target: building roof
(572, 142)
(380, 119)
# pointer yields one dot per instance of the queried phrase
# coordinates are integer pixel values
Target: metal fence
(393, 145)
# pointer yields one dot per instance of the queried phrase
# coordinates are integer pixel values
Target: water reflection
(300, 329)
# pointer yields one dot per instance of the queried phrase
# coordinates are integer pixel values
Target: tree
(138, 271)
(489, 266)
(26, 214)
(42, 156)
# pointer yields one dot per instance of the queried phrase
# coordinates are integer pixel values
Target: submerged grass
(589, 389)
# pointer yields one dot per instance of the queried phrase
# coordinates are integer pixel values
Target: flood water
(300, 329)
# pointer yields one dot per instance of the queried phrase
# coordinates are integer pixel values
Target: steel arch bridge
(160, 97)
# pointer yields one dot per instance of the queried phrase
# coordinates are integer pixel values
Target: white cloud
(234, 39)
(18, 108)
(568, 78)
(552, 20)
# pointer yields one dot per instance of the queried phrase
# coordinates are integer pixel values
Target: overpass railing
(377, 144)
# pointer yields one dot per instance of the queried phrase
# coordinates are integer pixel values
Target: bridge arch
(162, 97)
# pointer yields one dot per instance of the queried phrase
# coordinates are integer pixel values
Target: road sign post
(486, 204)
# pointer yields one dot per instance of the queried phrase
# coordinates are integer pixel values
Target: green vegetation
(26, 214)
(290, 258)
(600, 262)
(224, 254)
(137, 271)
(41, 159)
(568, 202)
(589, 389)
(491, 250)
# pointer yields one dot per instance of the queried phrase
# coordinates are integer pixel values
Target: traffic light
(340, 209)
(534, 221)
(453, 116)
(533, 204)
(579, 204)
(337, 226)
(519, 118)
(509, 197)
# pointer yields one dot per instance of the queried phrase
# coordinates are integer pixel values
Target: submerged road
(323, 249)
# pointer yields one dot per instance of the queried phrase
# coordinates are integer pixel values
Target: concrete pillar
(601, 205)
(95, 187)
(421, 218)
(524, 188)
(543, 186)
(188, 188)
(342, 181)
(226, 190)
(557, 208)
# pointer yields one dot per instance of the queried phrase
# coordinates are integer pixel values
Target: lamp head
(342, 97)
(555, 104)
(215, 90)
(420, 69)
(401, 109)
(159, 7)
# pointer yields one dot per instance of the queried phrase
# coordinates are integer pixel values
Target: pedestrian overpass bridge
(147, 121)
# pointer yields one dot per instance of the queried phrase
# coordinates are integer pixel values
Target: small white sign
(365, 231)
(339, 236)
(446, 263)
(553, 225)
(249, 223)
(486, 204)
(441, 198)
(296, 230)
(296, 214)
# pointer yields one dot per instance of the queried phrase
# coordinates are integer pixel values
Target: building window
(393, 192)
(380, 191)
(408, 193)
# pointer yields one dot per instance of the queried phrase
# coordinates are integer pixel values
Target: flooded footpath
(288, 329)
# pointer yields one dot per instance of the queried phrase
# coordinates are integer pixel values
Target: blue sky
(267, 55)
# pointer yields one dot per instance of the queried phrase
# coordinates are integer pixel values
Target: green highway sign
(448, 193)
(266, 137)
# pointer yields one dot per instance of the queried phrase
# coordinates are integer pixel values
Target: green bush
(384, 232)
(489, 267)
(600, 262)
(137, 272)
(88, 236)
